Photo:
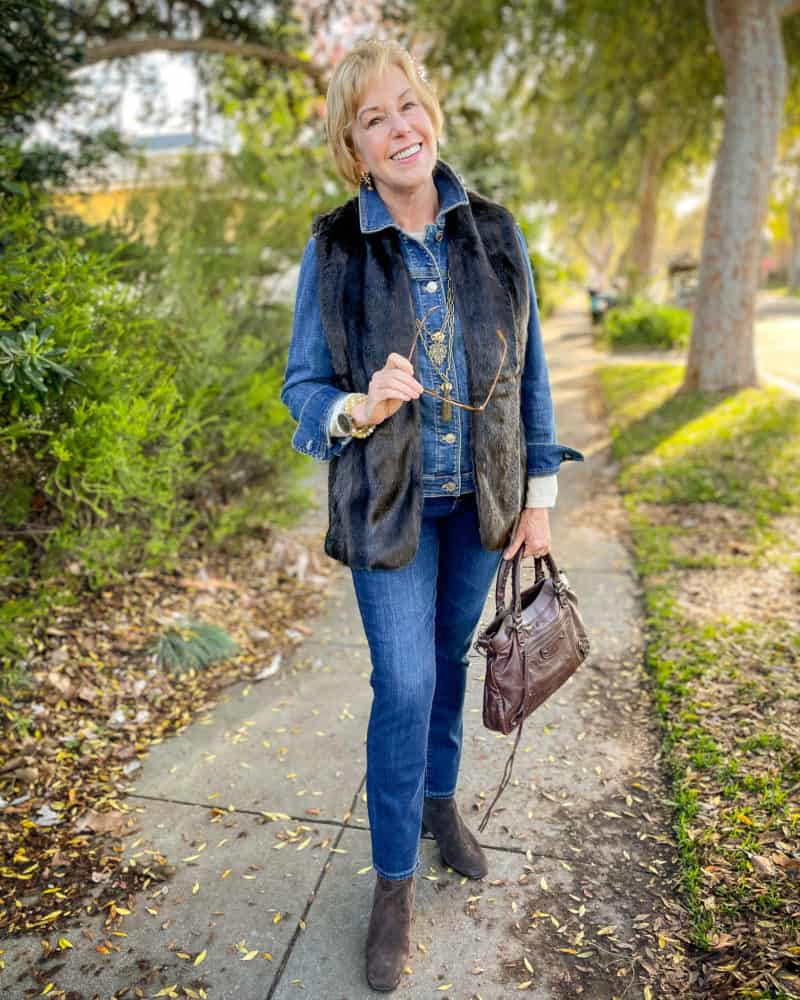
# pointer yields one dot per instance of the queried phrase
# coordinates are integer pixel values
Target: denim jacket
(310, 394)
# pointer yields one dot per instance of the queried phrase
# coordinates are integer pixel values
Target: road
(778, 338)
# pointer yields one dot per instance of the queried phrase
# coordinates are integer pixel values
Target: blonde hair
(363, 63)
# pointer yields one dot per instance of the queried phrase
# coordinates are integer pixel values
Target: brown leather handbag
(531, 647)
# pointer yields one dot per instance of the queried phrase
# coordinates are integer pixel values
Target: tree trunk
(639, 255)
(748, 36)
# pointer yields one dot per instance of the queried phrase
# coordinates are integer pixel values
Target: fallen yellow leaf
(201, 957)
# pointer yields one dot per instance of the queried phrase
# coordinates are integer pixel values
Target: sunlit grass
(727, 689)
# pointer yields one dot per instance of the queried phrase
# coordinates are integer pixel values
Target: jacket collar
(373, 215)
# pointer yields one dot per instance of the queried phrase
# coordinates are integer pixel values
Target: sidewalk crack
(312, 897)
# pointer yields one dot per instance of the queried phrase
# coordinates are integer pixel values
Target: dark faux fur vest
(375, 492)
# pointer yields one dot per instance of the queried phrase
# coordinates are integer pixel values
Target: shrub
(144, 412)
(97, 436)
(644, 325)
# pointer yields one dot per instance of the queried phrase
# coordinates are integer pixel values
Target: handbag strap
(510, 762)
(515, 563)
(503, 781)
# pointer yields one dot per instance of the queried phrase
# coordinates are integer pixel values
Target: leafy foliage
(28, 369)
(644, 325)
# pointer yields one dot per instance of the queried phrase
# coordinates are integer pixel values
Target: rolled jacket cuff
(546, 459)
(312, 434)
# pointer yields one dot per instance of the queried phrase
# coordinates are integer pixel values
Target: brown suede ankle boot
(389, 934)
(457, 844)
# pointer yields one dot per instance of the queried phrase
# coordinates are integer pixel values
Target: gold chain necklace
(440, 348)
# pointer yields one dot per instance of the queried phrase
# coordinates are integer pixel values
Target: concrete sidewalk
(259, 907)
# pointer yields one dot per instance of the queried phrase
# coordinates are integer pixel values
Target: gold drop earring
(366, 179)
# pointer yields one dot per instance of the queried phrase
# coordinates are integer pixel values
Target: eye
(409, 104)
(373, 121)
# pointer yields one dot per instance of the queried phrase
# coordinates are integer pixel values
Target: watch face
(345, 423)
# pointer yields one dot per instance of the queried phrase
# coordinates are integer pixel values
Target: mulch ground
(73, 740)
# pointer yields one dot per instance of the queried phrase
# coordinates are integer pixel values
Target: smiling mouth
(407, 153)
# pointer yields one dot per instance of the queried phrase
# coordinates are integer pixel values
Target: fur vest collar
(375, 492)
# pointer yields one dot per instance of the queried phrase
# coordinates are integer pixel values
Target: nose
(398, 123)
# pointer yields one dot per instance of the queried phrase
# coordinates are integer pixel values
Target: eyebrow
(377, 107)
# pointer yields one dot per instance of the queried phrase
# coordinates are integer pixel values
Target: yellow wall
(98, 207)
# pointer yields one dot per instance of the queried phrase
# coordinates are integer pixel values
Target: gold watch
(347, 421)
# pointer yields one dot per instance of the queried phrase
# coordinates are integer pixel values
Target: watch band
(351, 402)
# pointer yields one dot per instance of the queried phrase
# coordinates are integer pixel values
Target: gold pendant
(437, 353)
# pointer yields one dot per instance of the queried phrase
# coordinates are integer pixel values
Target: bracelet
(350, 404)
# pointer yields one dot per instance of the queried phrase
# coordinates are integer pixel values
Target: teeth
(405, 153)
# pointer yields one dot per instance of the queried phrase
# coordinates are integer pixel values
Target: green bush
(147, 411)
(647, 326)
(98, 436)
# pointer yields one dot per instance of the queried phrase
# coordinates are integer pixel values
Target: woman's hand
(533, 531)
(389, 388)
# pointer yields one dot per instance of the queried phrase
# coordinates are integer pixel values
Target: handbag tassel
(503, 781)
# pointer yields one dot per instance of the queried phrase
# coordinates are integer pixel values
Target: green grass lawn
(712, 487)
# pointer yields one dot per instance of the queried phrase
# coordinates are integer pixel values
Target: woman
(416, 369)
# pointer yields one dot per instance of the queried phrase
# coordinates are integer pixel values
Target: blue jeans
(420, 621)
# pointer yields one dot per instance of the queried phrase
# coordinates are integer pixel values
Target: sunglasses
(455, 402)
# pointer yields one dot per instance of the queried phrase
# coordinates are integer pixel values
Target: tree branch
(787, 7)
(125, 47)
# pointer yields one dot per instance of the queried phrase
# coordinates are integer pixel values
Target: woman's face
(390, 120)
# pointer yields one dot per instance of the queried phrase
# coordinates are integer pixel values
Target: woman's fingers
(533, 531)
(398, 361)
(401, 367)
(390, 387)
(392, 380)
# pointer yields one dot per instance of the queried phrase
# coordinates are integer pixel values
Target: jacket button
(431, 286)
(449, 486)
(439, 234)
(449, 438)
